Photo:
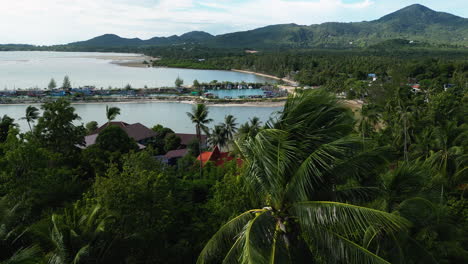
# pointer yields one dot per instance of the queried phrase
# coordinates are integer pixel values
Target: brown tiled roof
(185, 139)
(139, 132)
(136, 131)
(119, 124)
(178, 153)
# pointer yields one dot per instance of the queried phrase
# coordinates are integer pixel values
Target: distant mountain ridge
(415, 22)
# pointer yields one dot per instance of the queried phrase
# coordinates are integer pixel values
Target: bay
(34, 69)
(168, 114)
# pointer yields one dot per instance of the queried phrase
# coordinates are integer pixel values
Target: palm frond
(28, 255)
(346, 219)
(225, 237)
(340, 249)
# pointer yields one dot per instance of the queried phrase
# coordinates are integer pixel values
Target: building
(217, 157)
(140, 133)
(185, 139)
(173, 156)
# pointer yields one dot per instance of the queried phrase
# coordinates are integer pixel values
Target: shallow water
(31, 69)
(172, 115)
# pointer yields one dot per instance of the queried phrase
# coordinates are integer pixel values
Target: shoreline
(353, 104)
(184, 100)
(286, 80)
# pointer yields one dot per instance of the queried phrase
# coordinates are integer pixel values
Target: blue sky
(47, 22)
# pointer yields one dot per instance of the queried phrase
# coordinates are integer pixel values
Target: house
(217, 157)
(140, 133)
(173, 156)
(185, 139)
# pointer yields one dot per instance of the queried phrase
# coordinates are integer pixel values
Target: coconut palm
(78, 236)
(293, 165)
(250, 129)
(9, 233)
(32, 114)
(111, 113)
(6, 123)
(230, 126)
(218, 137)
(199, 117)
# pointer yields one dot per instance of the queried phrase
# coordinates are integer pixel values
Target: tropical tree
(111, 113)
(9, 233)
(32, 114)
(294, 165)
(52, 84)
(91, 126)
(250, 129)
(199, 117)
(6, 123)
(178, 82)
(218, 137)
(66, 83)
(230, 126)
(56, 129)
(78, 236)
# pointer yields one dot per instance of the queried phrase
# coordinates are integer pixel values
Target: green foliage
(178, 82)
(115, 139)
(55, 129)
(52, 84)
(91, 126)
(330, 185)
(66, 85)
(171, 142)
(112, 113)
(6, 123)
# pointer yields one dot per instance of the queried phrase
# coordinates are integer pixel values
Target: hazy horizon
(51, 22)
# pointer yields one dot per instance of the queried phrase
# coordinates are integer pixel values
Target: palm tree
(230, 127)
(111, 113)
(250, 129)
(218, 137)
(32, 114)
(6, 123)
(9, 233)
(199, 117)
(78, 236)
(294, 165)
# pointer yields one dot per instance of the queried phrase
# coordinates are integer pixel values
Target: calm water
(25, 69)
(172, 115)
(235, 93)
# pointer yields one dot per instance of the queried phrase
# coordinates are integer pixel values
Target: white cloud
(63, 21)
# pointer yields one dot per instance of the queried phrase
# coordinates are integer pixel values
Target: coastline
(353, 104)
(286, 80)
(184, 100)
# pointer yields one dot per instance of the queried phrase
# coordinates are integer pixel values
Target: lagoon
(172, 115)
(34, 69)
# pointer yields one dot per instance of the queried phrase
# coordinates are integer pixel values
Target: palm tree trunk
(199, 149)
(29, 126)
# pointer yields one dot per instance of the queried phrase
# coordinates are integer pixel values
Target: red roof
(219, 158)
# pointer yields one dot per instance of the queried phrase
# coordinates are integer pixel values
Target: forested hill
(111, 40)
(414, 23)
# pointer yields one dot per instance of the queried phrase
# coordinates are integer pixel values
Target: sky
(47, 22)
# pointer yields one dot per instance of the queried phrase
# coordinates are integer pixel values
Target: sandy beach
(286, 80)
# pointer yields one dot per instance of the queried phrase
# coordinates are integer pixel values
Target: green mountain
(415, 23)
(112, 40)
